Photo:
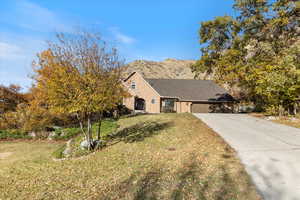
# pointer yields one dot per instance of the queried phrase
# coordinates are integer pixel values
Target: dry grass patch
(289, 121)
(182, 159)
(5, 155)
(15, 154)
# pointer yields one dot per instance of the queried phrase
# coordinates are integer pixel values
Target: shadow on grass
(137, 187)
(138, 132)
(193, 182)
(147, 186)
(189, 182)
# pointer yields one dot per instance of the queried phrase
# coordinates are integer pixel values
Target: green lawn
(166, 156)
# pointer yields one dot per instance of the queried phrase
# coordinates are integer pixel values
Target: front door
(139, 104)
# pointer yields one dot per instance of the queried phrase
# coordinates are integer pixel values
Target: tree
(257, 52)
(10, 97)
(80, 75)
(26, 111)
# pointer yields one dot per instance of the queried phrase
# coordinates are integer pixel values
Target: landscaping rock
(95, 144)
(51, 135)
(32, 134)
(271, 118)
(84, 145)
(68, 150)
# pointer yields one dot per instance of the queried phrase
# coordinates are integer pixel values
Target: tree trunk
(81, 126)
(99, 127)
(89, 134)
(281, 110)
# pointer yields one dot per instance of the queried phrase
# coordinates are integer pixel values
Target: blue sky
(140, 29)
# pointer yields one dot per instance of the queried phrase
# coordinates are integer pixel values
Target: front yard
(179, 158)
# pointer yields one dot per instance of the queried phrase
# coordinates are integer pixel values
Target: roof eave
(130, 75)
(207, 101)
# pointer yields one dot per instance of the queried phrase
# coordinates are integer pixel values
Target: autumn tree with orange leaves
(10, 97)
(80, 75)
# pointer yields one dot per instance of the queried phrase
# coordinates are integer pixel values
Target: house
(176, 95)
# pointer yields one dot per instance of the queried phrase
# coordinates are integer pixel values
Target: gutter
(200, 101)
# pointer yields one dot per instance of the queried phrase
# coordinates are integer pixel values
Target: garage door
(201, 108)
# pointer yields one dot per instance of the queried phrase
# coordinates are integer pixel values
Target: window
(153, 101)
(168, 105)
(133, 85)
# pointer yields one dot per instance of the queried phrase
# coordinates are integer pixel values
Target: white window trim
(133, 84)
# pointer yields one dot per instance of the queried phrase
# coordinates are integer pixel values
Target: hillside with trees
(256, 51)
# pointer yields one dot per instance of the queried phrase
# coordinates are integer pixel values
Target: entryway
(139, 104)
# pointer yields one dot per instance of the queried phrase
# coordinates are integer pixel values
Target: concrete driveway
(269, 151)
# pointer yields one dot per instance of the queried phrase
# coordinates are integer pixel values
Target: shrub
(66, 133)
(58, 154)
(13, 134)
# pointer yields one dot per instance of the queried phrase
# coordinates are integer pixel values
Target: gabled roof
(190, 89)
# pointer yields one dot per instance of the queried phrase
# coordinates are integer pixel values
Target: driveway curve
(269, 151)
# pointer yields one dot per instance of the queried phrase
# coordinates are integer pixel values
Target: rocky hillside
(168, 69)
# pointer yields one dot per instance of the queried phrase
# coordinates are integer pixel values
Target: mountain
(168, 69)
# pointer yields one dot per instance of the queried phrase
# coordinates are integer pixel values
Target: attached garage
(201, 108)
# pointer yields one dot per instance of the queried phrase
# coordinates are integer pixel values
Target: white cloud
(40, 19)
(121, 37)
(32, 16)
(16, 55)
(19, 46)
(10, 51)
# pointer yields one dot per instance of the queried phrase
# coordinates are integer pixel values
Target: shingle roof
(190, 89)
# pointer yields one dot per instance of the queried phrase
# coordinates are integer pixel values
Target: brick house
(176, 95)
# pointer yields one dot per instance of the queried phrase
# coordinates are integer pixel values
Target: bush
(13, 134)
(120, 110)
(66, 133)
(58, 154)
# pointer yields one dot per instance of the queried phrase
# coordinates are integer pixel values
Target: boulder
(68, 150)
(32, 134)
(95, 144)
(51, 135)
(84, 145)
